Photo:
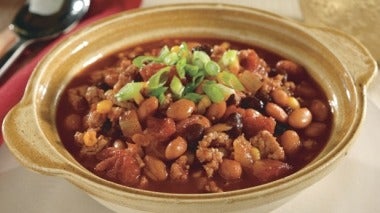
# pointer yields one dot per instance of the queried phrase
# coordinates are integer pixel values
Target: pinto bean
(276, 112)
(216, 111)
(290, 142)
(155, 169)
(230, 169)
(180, 109)
(280, 97)
(315, 129)
(175, 148)
(306, 90)
(300, 118)
(289, 67)
(147, 108)
(319, 110)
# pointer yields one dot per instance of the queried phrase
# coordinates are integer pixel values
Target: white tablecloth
(352, 187)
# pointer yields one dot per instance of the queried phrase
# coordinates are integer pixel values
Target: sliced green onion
(131, 91)
(229, 57)
(192, 70)
(159, 78)
(200, 59)
(176, 87)
(195, 82)
(213, 92)
(183, 50)
(227, 92)
(192, 96)
(159, 93)
(229, 79)
(180, 67)
(171, 58)
(164, 52)
(212, 68)
(140, 61)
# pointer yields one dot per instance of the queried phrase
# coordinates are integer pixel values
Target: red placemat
(13, 88)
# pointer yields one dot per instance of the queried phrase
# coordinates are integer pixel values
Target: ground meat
(94, 119)
(126, 76)
(87, 151)
(115, 114)
(76, 98)
(243, 152)
(211, 186)
(268, 146)
(273, 83)
(94, 95)
(179, 170)
(216, 139)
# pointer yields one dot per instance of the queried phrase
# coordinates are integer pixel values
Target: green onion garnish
(230, 80)
(176, 87)
(159, 78)
(131, 91)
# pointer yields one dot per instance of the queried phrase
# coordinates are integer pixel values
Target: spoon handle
(11, 55)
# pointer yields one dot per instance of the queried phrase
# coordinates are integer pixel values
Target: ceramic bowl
(341, 65)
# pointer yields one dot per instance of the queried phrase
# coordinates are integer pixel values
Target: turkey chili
(193, 116)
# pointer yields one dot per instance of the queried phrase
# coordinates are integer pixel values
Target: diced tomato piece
(254, 124)
(268, 170)
(162, 129)
(147, 71)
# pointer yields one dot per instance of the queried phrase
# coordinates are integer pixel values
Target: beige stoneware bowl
(341, 65)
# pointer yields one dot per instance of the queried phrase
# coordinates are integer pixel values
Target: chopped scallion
(230, 80)
(171, 58)
(180, 67)
(213, 92)
(140, 61)
(176, 87)
(192, 96)
(212, 68)
(229, 57)
(200, 59)
(159, 78)
(131, 91)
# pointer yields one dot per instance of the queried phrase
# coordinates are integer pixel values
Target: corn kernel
(104, 106)
(89, 137)
(175, 49)
(203, 104)
(255, 152)
(293, 103)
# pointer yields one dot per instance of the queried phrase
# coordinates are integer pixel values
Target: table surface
(351, 187)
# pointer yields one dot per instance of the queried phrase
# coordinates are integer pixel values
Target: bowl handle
(27, 145)
(357, 59)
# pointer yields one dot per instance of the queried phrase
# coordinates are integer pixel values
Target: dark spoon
(31, 27)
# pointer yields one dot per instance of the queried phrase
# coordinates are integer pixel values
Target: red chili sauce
(193, 116)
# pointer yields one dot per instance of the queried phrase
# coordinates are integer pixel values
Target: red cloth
(12, 90)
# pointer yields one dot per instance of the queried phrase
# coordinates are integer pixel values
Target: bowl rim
(257, 191)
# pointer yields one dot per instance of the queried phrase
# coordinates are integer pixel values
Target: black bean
(231, 100)
(272, 73)
(235, 121)
(280, 128)
(252, 103)
(193, 133)
(203, 47)
(103, 86)
(106, 127)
